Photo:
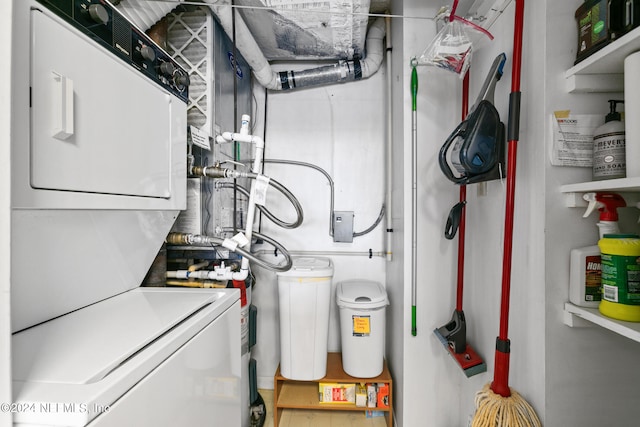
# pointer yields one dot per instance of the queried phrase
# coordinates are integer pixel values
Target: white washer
(148, 357)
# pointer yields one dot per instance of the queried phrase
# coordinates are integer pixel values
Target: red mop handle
(463, 198)
(453, 10)
(500, 384)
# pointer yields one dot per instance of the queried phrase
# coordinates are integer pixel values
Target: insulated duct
(307, 29)
(145, 13)
(341, 72)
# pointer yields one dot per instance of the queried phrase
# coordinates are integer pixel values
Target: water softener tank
(305, 297)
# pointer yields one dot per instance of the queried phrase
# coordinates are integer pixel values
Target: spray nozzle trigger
(593, 203)
(606, 203)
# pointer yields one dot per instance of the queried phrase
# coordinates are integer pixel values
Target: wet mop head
(494, 410)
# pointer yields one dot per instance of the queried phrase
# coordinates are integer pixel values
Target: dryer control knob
(181, 80)
(148, 53)
(98, 13)
(167, 68)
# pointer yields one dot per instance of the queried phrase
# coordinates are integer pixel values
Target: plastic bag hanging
(453, 46)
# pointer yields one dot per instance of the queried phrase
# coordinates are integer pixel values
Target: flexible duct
(343, 71)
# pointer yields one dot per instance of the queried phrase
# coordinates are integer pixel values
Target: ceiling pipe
(341, 72)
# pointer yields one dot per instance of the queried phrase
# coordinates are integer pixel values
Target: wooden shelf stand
(291, 394)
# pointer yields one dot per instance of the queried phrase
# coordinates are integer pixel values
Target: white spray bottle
(585, 273)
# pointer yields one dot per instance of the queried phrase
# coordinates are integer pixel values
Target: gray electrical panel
(343, 226)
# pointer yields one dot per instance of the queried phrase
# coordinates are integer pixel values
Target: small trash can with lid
(305, 300)
(362, 305)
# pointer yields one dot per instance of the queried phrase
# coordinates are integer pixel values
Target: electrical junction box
(343, 226)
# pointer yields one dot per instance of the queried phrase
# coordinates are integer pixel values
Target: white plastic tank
(305, 300)
(362, 305)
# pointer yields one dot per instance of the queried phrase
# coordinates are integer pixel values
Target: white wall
(434, 386)
(568, 375)
(340, 128)
(5, 192)
(396, 274)
(325, 126)
(431, 381)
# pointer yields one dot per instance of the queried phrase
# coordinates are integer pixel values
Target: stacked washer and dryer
(98, 178)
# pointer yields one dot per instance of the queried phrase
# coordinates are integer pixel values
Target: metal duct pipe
(341, 72)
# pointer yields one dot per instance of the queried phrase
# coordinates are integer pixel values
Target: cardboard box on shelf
(372, 395)
(337, 393)
(383, 395)
(361, 395)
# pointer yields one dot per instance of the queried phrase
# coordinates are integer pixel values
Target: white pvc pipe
(366, 254)
(389, 165)
(244, 136)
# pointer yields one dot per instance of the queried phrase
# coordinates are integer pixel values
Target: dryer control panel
(106, 25)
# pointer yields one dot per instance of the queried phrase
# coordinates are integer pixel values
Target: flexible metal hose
(276, 245)
(374, 225)
(217, 172)
(202, 240)
(331, 186)
(294, 201)
(319, 169)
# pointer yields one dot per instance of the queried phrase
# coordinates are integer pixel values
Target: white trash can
(305, 299)
(362, 305)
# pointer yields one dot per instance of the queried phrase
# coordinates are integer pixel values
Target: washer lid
(309, 267)
(361, 294)
(84, 346)
(70, 367)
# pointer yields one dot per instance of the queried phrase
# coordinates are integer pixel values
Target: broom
(497, 405)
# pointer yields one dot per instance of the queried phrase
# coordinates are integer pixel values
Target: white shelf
(630, 330)
(607, 61)
(620, 184)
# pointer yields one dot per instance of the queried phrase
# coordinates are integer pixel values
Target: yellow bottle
(620, 263)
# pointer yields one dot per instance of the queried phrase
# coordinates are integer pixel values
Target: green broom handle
(414, 173)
